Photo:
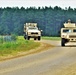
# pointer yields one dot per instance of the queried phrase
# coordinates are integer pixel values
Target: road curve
(48, 62)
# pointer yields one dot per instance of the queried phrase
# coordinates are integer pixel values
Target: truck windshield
(33, 28)
(67, 31)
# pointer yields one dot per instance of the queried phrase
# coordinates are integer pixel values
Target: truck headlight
(39, 33)
(65, 36)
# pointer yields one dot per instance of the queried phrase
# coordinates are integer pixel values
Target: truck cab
(68, 34)
(31, 31)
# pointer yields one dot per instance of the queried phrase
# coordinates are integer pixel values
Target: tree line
(49, 19)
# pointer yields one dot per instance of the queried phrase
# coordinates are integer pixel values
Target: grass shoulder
(14, 47)
(50, 38)
(21, 47)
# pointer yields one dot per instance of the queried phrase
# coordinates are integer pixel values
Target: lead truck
(31, 31)
(68, 33)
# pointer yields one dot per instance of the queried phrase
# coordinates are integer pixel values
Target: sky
(38, 3)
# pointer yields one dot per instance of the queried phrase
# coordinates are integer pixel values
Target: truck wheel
(34, 38)
(62, 42)
(39, 38)
(28, 38)
(24, 36)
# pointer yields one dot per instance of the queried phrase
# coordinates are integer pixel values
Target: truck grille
(72, 36)
(34, 33)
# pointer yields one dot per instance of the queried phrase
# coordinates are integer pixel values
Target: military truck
(31, 31)
(68, 34)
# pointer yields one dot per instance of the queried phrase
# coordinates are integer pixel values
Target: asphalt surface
(48, 62)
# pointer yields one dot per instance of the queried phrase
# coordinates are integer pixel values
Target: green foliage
(1, 39)
(51, 38)
(9, 45)
(49, 19)
(14, 37)
(13, 47)
(8, 38)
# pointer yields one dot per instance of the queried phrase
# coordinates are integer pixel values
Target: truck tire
(62, 42)
(39, 38)
(34, 38)
(24, 36)
(28, 37)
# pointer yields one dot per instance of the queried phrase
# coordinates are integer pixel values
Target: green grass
(21, 45)
(50, 38)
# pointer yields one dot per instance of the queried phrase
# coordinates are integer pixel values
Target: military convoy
(68, 34)
(31, 31)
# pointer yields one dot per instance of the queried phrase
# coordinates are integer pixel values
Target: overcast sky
(38, 3)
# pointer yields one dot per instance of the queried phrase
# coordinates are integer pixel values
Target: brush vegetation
(19, 45)
(50, 38)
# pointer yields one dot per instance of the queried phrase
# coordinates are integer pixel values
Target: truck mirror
(41, 30)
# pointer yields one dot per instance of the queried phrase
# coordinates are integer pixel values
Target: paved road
(48, 62)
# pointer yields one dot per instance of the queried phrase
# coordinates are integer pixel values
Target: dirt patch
(43, 47)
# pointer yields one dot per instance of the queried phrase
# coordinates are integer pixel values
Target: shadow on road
(65, 46)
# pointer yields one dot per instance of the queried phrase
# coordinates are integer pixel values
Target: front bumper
(72, 39)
